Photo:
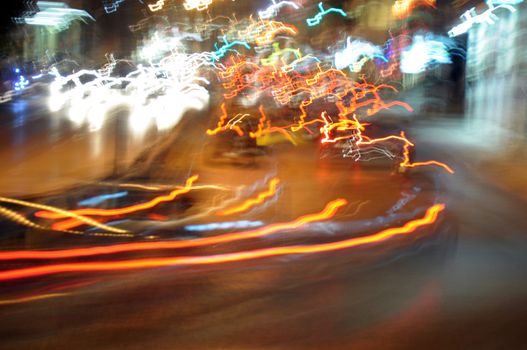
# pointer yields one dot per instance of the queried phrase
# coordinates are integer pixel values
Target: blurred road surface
(444, 291)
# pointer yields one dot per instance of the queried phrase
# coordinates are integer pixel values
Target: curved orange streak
(221, 122)
(66, 225)
(231, 124)
(406, 161)
(328, 212)
(381, 139)
(32, 298)
(429, 218)
(253, 201)
(430, 162)
(66, 213)
(125, 210)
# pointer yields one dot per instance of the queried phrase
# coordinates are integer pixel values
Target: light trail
(120, 211)
(228, 46)
(343, 125)
(199, 5)
(430, 217)
(56, 15)
(163, 187)
(63, 213)
(157, 6)
(112, 6)
(93, 201)
(322, 12)
(407, 164)
(264, 127)
(271, 191)
(356, 54)
(274, 29)
(471, 17)
(327, 213)
(279, 53)
(230, 125)
(425, 52)
(32, 298)
(22, 220)
(223, 225)
(274, 8)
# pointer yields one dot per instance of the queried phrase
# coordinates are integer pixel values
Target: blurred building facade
(496, 78)
(46, 43)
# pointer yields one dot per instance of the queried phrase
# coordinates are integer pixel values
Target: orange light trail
(342, 125)
(430, 217)
(63, 213)
(406, 161)
(271, 191)
(32, 298)
(125, 210)
(71, 223)
(231, 124)
(22, 220)
(327, 213)
(264, 127)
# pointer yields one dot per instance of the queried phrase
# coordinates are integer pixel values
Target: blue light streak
(91, 202)
(223, 225)
(220, 52)
(318, 17)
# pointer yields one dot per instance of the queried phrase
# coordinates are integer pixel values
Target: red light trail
(329, 211)
(64, 225)
(430, 217)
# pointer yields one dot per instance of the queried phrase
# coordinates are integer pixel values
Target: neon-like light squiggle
(199, 5)
(322, 12)
(275, 7)
(271, 191)
(356, 53)
(407, 164)
(470, 18)
(220, 52)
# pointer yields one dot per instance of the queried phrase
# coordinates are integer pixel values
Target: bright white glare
(274, 8)
(161, 91)
(354, 51)
(199, 5)
(423, 53)
(56, 14)
(471, 18)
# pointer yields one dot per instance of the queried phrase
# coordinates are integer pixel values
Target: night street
(296, 180)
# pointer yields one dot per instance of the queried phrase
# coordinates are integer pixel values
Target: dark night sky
(10, 9)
